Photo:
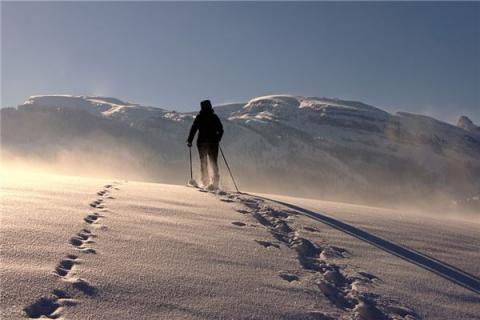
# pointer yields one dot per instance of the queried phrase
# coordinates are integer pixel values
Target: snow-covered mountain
(99, 106)
(318, 147)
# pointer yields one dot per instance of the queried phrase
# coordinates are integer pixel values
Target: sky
(414, 57)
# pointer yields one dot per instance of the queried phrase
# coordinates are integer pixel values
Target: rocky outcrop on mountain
(466, 124)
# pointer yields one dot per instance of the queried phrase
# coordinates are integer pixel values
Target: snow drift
(84, 248)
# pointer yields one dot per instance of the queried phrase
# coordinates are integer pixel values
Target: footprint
(80, 239)
(85, 287)
(88, 250)
(307, 253)
(334, 252)
(367, 275)
(335, 295)
(306, 248)
(91, 218)
(288, 276)
(77, 242)
(238, 223)
(83, 236)
(311, 229)
(86, 231)
(97, 204)
(65, 266)
(86, 236)
(61, 294)
(49, 307)
(102, 193)
(267, 244)
(250, 201)
(260, 218)
(107, 186)
(277, 213)
(283, 227)
(334, 276)
(369, 311)
(43, 307)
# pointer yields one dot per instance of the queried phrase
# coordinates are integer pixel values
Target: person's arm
(219, 129)
(193, 130)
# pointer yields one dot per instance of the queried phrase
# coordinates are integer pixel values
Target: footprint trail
(53, 305)
(349, 291)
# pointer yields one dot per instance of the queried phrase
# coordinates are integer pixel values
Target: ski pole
(228, 167)
(191, 171)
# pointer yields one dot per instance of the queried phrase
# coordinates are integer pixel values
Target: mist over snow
(305, 146)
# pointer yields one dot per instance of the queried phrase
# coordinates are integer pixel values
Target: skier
(210, 132)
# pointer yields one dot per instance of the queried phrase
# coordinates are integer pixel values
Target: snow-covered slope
(78, 248)
(106, 106)
(289, 108)
(287, 144)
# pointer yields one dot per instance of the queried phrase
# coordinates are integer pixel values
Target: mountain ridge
(308, 146)
(315, 103)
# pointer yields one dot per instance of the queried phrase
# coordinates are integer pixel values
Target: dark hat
(206, 105)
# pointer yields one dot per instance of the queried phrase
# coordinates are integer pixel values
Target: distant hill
(304, 146)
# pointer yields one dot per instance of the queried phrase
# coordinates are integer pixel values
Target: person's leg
(203, 152)
(213, 157)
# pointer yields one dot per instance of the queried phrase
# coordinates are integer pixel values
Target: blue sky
(416, 57)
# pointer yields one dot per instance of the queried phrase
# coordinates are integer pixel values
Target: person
(210, 132)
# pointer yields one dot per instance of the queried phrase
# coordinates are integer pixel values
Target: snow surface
(106, 249)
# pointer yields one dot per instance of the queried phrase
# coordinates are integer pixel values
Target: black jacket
(210, 129)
